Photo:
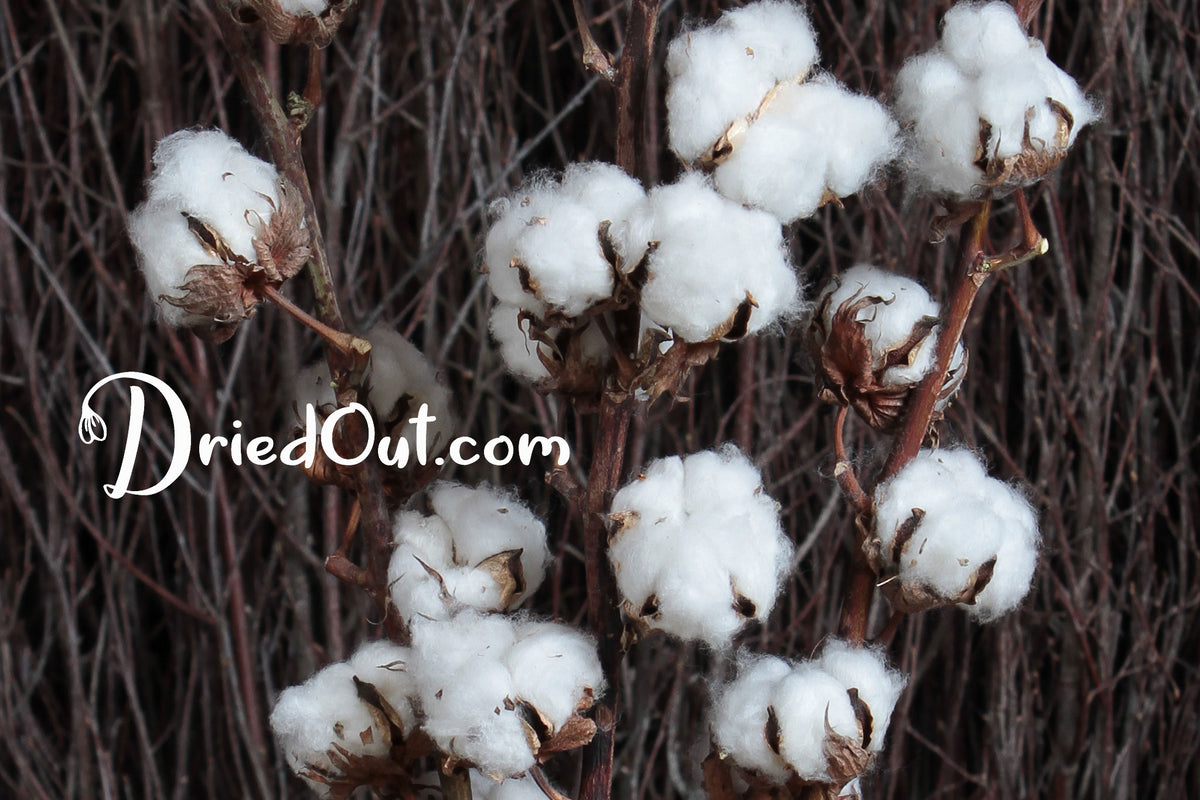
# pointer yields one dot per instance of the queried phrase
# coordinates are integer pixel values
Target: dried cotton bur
(817, 723)
(872, 339)
(946, 533)
(218, 226)
(985, 111)
(481, 548)
(308, 22)
(743, 102)
(697, 547)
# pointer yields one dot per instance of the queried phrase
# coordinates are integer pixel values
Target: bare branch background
(142, 640)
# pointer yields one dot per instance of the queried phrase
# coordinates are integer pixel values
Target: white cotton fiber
(304, 8)
(384, 665)
(518, 351)
(985, 70)
(470, 530)
(700, 550)
(308, 720)
(812, 140)
(889, 321)
(805, 702)
(544, 251)
(720, 73)
(553, 665)
(484, 788)
(208, 176)
(865, 669)
(473, 672)
(313, 386)
(970, 519)
(712, 254)
(400, 378)
(740, 712)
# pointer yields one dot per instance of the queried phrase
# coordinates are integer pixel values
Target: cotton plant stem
(345, 343)
(856, 607)
(283, 142)
(615, 414)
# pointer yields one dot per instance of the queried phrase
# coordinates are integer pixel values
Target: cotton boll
(970, 521)
(1005, 96)
(561, 252)
(711, 254)
(512, 216)
(865, 669)
(210, 176)
(167, 251)
(811, 141)
(980, 36)
(720, 73)
(518, 351)
(1062, 87)
(465, 690)
(308, 720)
(465, 543)
(805, 702)
(678, 567)
(740, 712)
(553, 667)
(401, 379)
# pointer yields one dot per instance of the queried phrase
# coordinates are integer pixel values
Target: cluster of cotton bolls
(698, 551)
(492, 688)
(742, 100)
(321, 721)
(945, 532)
(872, 338)
(398, 380)
(481, 548)
(820, 720)
(215, 226)
(986, 107)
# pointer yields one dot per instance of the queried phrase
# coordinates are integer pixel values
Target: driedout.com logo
(302, 451)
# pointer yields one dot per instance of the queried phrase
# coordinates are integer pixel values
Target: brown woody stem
(843, 471)
(616, 411)
(345, 343)
(283, 142)
(856, 607)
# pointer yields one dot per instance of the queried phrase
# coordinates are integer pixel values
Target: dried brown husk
(848, 372)
(285, 28)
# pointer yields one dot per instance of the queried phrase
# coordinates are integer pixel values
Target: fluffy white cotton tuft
(899, 304)
(776, 718)
(474, 674)
(210, 177)
(985, 74)
(970, 521)
(812, 141)
(715, 261)
(545, 252)
(482, 548)
(740, 714)
(865, 669)
(385, 666)
(308, 720)
(807, 702)
(304, 8)
(484, 788)
(520, 352)
(700, 550)
(721, 72)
